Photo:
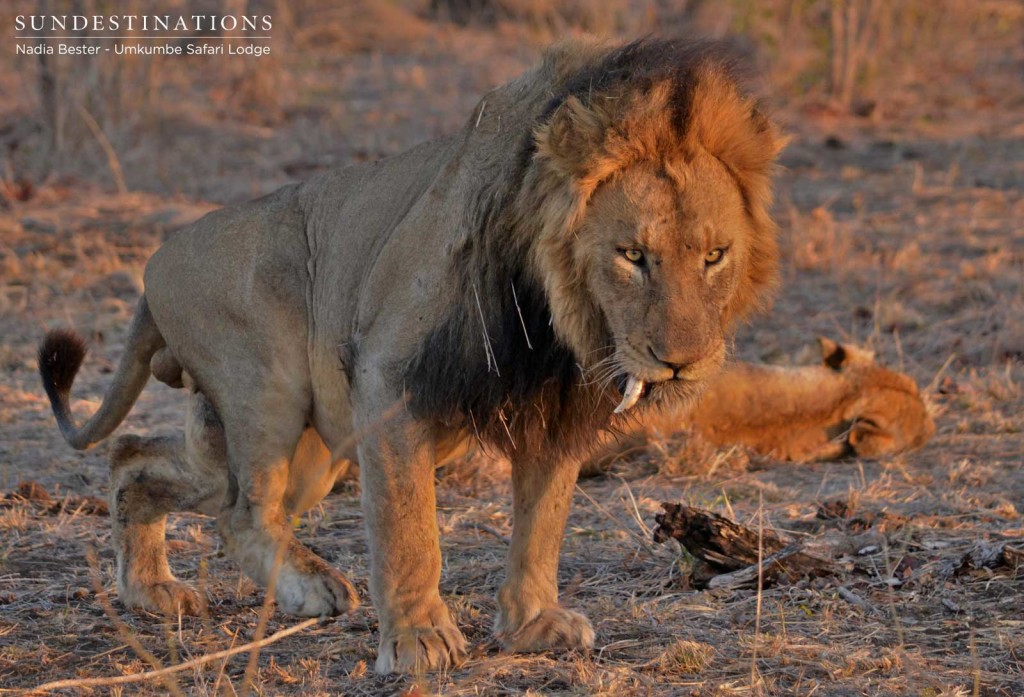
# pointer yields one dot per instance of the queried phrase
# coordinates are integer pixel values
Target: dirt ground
(900, 230)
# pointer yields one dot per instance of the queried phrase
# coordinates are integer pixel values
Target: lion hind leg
(255, 521)
(154, 476)
(151, 477)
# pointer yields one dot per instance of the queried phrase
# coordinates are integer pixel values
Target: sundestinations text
(190, 23)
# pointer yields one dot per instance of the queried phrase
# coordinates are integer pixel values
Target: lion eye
(714, 256)
(634, 255)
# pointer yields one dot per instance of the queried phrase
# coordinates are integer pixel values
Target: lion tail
(61, 355)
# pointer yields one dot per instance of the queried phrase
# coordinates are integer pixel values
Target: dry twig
(163, 672)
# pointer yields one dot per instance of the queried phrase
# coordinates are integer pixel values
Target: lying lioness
(848, 406)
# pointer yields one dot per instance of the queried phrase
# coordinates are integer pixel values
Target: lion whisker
(602, 371)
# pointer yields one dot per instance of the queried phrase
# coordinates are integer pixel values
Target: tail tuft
(60, 356)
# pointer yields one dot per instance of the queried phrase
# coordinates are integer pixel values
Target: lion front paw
(552, 628)
(171, 598)
(421, 649)
(310, 587)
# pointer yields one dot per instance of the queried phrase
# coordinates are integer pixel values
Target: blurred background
(360, 79)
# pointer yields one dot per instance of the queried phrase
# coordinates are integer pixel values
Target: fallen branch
(788, 563)
(984, 555)
(149, 675)
(713, 538)
(854, 599)
(729, 550)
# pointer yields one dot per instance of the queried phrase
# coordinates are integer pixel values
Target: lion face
(663, 249)
(655, 229)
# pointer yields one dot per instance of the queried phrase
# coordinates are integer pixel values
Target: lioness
(573, 256)
(849, 405)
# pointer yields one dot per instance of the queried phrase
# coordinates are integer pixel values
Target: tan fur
(848, 406)
(338, 319)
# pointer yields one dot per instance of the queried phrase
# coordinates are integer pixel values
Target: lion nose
(676, 363)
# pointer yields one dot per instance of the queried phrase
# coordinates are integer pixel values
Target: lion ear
(833, 354)
(839, 356)
(571, 139)
(764, 127)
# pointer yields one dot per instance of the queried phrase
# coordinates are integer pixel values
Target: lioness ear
(869, 440)
(833, 355)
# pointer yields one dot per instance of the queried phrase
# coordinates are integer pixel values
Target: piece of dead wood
(729, 550)
(713, 538)
(985, 555)
(785, 566)
(854, 599)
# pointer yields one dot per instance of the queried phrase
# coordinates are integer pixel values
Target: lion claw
(169, 598)
(318, 592)
(420, 649)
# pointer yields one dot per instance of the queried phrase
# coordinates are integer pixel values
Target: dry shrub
(1009, 344)
(80, 115)
(818, 241)
(687, 454)
(852, 51)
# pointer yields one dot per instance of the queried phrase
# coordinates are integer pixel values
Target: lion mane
(505, 366)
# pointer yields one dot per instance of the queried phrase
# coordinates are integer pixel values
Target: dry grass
(900, 231)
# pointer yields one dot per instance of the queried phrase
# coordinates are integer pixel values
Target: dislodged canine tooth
(631, 394)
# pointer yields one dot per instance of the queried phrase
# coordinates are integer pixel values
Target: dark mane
(642, 63)
(497, 370)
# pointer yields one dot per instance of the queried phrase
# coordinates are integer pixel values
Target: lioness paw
(171, 598)
(420, 649)
(310, 587)
(552, 628)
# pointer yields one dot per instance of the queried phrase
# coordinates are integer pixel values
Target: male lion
(597, 224)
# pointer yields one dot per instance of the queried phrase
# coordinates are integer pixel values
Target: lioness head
(659, 234)
(886, 414)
